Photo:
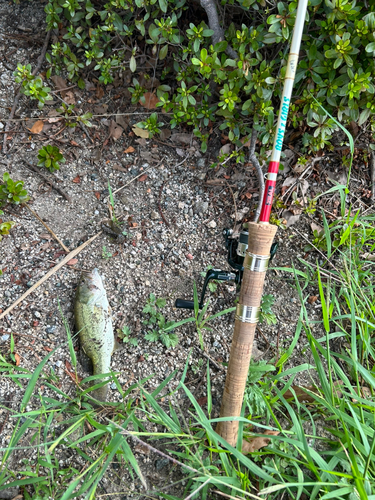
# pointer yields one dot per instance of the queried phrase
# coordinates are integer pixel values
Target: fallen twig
(18, 95)
(48, 229)
(52, 271)
(50, 182)
(135, 178)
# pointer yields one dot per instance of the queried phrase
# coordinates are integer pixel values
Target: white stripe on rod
(289, 80)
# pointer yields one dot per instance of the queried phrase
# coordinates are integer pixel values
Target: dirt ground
(174, 208)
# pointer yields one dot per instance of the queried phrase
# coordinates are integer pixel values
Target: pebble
(154, 215)
(7, 293)
(1, 125)
(51, 329)
(58, 363)
(212, 224)
(37, 314)
(96, 212)
(160, 246)
(160, 464)
(201, 163)
(4, 338)
(200, 207)
(113, 386)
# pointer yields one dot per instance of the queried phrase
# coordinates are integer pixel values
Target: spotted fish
(94, 322)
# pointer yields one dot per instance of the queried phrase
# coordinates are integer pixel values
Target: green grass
(325, 447)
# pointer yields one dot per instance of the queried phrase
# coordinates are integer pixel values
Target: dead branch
(213, 21)
(49, 181)
(17, 98)
(48, 229)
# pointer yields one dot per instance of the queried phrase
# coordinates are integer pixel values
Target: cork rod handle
(259, 245)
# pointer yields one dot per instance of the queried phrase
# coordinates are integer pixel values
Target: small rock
(154, 215)
(113, 386)
(58, 363)
(181, 272)
(9, 493)
(51, 329)
(96, 212)
(212, 224)
(37, 314)
(160, 464)
(200, 207)
(147, 283)
(1, 125)
(189, 256)
(201, 163)
(181, 204)
(160, 246)
(4, 338)
(7, 293)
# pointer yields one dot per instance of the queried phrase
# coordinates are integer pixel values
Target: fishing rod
(249, 255)
(256, 260)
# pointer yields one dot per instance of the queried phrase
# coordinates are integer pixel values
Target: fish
(93, 320)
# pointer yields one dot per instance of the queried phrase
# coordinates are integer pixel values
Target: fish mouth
(91, 286)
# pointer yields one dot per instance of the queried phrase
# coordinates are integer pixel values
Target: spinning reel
(236, 246)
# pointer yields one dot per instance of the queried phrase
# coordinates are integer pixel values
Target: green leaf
(163, 52)
(221, 46)
(132, 64)
(163, 5)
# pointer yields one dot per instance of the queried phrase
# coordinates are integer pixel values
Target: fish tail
(101, 393)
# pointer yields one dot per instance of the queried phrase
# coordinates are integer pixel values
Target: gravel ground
(174, 208)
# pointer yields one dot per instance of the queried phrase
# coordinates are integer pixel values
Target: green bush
(12, 191)
(50, 156)
(199, 85)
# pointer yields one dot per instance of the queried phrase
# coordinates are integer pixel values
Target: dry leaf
(149, 100)
(130, 149)
(224, 150)
(77, 179)
(97, 195)
(165, 134)
(69, 97)
(17, 358)
(316, 227)
(99, 92)
(141, 132)
(37, 127)
(257, 443)
(115, 131)
(119, 168)
(72, 262)
(202, 401)
(182, 138)
(141, 142)
(142, 178)
(45, 236)
(312, 299)
(123, 121)
(248, 195)
(290, 218)
(101, 109)
(60, 83)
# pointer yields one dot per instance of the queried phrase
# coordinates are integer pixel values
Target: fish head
(90, 288)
